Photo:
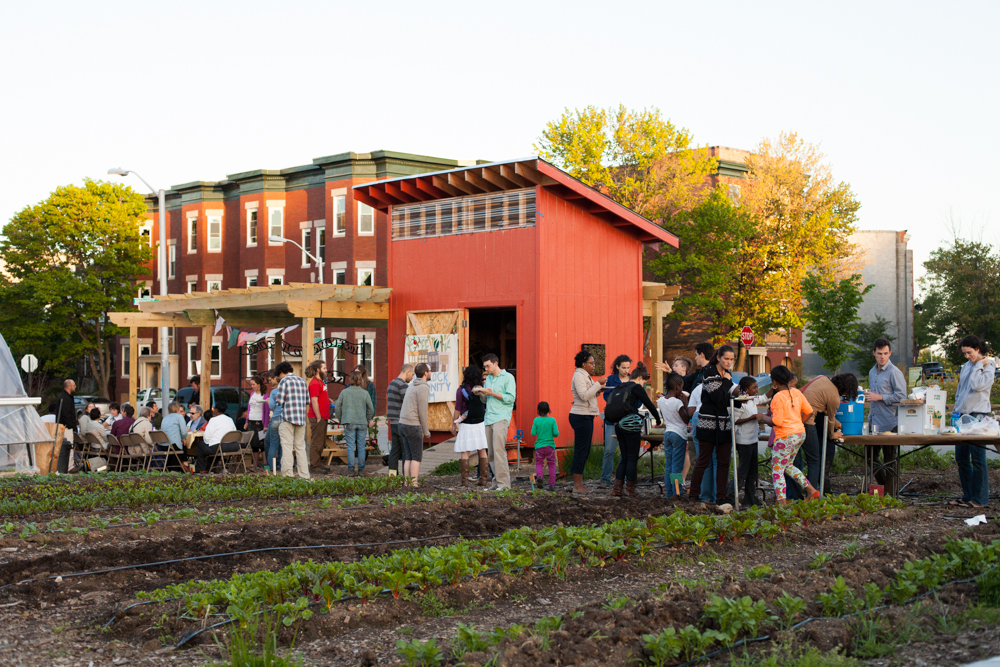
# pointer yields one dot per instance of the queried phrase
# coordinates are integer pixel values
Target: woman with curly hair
(581, 416)
(469, 424)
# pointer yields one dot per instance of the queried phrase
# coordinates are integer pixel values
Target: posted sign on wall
(440, 352)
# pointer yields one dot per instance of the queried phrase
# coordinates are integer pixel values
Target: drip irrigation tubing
(798, 625)
(240, 553)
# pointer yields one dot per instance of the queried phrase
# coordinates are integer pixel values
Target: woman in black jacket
(715, 430)
(628, 429)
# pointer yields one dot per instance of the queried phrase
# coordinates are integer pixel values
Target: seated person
(122, 426)
(198, 420)
(176, 430)
(50, 418)
(142, 427)
(219, 425)
(241, 419)
(93, 425)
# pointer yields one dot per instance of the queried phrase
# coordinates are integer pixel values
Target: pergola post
(205, 390)
(308, 328)
(277, 348)
(656, 343)
(133, 367)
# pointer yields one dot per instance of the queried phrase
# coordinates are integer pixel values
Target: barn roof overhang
(510, 175)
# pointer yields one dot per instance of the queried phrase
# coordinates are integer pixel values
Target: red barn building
(516, 258)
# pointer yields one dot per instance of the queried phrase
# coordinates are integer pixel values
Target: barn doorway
(493, 330)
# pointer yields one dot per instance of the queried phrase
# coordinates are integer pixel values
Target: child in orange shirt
(788, 406)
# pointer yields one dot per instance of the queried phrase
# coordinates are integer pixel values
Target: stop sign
(747, 336)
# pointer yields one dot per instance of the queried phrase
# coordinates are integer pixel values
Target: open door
(440, 339)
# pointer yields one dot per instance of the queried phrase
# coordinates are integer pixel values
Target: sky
(901, 97)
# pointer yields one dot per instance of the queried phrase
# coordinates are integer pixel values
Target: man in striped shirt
(394, 401)
(292, 394)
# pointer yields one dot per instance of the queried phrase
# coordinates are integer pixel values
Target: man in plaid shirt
(292, 394)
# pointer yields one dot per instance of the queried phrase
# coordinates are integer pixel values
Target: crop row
(726, 620)
(516, 551)
(152, 517)
(174, 489)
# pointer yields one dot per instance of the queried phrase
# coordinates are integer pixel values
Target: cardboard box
(910, 418)
(935, 409)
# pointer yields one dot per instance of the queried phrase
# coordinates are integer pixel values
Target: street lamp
(319, 263)
(161, 260)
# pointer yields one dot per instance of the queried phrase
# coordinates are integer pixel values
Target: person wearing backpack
(470, 425)
(623, 410)
(581, 416)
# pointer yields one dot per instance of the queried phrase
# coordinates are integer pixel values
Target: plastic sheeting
(20, 425)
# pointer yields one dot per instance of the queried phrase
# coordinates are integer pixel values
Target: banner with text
(440, 352)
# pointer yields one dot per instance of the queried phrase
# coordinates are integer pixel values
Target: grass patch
(784, 655)
(447, 468)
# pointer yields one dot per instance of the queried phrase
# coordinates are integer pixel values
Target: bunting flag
(287, 329)
(260, 335)
(219, 322)
(234, 336)
(244, 337)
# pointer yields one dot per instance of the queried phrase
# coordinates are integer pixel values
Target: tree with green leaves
(864, 335)
(962, 296)
(637, 158)
(71, 260)
(831, 311)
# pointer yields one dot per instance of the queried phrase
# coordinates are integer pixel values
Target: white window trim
(339, 192)
(126, 351)
(209, 216)
(271, 206)
(341, 272)
(194, 361)
(254, 283)
(190, 289)
(172, 258)
(251, 372)
(357, 213)
(307, 247)
(272, 278)
(369, 337)
(214, 346)
(366, 270)
(192, 219)
(147, 227)
(250, 210)
(208, 285)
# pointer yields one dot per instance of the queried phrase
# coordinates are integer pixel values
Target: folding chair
(81, 447)
(246, 437)
(160, 438)
(116, 453)
(129, 441)
(96, 450)
(228, 448)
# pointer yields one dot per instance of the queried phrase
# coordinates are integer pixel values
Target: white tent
(20, 425)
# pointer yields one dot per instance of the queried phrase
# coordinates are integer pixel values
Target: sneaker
(552, 487)
(726, 508)
(385, 461)
(603, 484)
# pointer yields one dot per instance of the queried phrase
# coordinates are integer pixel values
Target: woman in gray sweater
(973, 398)
(355, 412)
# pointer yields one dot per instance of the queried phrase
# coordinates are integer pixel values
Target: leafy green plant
(694, 642)
(820, 560)
(840, 600)
(420, 653)
(468, 639)
(758, 572)
(738, 616)
(790, 607)
(662, 647)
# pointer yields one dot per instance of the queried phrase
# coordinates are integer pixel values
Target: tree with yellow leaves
(637, 158)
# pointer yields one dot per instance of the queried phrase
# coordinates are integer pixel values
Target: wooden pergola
(308, 304)
(657, 301)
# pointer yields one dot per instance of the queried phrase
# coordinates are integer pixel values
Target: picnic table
(897, 440)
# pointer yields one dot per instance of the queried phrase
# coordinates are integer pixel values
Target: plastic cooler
(851, 415)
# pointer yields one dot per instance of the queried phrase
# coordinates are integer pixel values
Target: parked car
(932, 369)
(80, 402)
(233, 397)
(152, 394)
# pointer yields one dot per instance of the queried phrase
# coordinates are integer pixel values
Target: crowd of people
(693, 409)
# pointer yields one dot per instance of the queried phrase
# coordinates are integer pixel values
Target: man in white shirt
(217, 426)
